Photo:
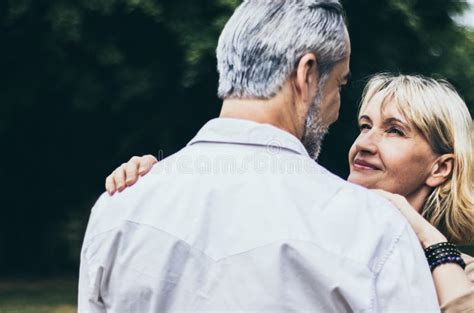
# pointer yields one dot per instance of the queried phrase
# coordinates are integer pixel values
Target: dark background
(84, 85)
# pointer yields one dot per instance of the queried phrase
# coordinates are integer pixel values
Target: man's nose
(367, 142)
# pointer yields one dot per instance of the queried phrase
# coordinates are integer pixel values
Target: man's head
(296, 47)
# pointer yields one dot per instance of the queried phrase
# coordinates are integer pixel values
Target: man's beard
(314, 130)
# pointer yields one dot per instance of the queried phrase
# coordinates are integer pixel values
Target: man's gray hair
(263, 41)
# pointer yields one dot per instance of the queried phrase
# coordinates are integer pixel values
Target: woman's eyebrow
(365, 117)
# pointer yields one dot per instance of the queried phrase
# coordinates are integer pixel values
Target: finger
(390, 197)
(131, 172)
(398, 201)
(119, 177)
(146, 163)
(110, 184)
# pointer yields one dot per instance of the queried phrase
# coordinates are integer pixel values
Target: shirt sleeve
(464, 303)
(404, 282)
(90, 275)
(89, 300)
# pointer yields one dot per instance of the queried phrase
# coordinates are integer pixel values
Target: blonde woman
(415, 148)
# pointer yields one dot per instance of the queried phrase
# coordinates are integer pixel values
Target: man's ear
(441, 170)
(306, 76)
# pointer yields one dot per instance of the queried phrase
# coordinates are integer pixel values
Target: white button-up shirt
(242, 220)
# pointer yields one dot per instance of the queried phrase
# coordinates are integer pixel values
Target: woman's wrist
(443, 253)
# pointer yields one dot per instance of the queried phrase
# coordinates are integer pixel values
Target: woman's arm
(451, 281)
(128, 173)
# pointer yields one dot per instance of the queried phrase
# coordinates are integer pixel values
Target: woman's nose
(367, 142)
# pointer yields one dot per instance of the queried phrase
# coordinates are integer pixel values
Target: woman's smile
(363, 165)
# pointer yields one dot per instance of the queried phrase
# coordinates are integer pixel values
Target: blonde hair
(442, 117)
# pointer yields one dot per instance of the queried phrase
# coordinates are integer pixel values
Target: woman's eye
(396, 131)
(363, 127)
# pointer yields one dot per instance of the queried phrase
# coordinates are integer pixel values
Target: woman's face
(390, 153)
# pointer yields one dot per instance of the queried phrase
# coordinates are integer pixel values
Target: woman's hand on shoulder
(426, 233)
(128, 173)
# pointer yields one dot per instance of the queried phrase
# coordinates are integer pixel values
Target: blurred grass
(38, 296)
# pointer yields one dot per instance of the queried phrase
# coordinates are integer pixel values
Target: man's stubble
(314, 130)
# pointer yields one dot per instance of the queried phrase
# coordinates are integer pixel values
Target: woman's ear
(441, 170)
(306, 77)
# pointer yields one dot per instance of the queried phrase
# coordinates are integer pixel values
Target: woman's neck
(418, 198)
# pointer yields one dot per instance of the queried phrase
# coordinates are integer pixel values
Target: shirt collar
(238, 131)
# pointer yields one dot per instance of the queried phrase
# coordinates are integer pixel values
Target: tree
(86, 84)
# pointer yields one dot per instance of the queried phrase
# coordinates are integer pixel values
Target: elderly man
(258, 235)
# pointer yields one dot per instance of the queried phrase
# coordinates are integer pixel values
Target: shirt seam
(393, 245)
(342, 256)
(228, 257)
(383, 261)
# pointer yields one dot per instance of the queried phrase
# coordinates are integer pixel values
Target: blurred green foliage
(86, 84)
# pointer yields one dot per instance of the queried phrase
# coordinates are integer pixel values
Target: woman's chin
(361, 181)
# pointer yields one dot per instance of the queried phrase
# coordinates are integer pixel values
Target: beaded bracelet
(442, 253)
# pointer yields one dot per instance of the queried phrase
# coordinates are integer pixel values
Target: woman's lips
(364, 165)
